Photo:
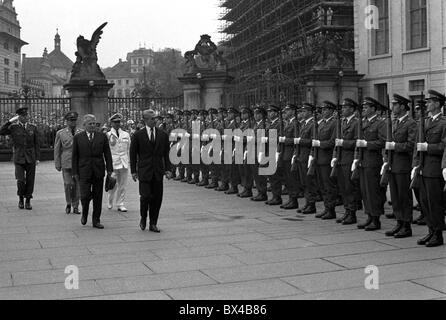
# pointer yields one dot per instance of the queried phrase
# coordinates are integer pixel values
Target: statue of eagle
(87, 48)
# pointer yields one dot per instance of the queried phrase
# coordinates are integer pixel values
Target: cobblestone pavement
(212, 246)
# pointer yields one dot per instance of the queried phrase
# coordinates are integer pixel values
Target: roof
(32, 65)
(58, 59)
(120, 70)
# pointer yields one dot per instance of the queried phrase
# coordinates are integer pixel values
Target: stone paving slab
(435, 283)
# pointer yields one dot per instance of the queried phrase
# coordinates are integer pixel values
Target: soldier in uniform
(204, 168)
(63, 147)
(26, 156)
(350, 191)
(260, 181)
(223, 168)
(214, 169)
(169, 128)
(234, 176)
(292, 182)
(194, 168)
(404, 133)
(432, 179)
(324, 146)
(420, 219)
(179, 124)
(120, 150)
(245, 169)
(373, 142)
(305, 142)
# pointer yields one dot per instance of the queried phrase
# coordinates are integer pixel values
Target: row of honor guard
(343, 156)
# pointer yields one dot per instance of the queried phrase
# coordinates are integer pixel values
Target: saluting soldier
(214, 169)
(404, 133)
(63, 152)
(350, 191)
(234, 176)
(26, 156)
(324, 145)
(432, 179)
(292, 182)
(260, 181)
(305, 142)
(245, 170)
(373, 142)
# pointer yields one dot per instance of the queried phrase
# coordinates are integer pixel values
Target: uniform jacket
(26, 145)
(327, 136)
(434, 161)
(120, 148)
(89, 156)
(306, 138)
(374, 132)
(349, 135)
(63, 148)
(289, 134)
(150, 160)
(404, 135)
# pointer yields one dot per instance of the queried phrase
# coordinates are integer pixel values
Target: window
(119, 82)
(16, 49)
(16, 78)
(127, 82)
(6, 45)
(6, 61)
(145, 61)
(417, 28)
(16, 64)
(381, 92)
(6, 76)
(380, 37)
(416, 85)
(140, 62)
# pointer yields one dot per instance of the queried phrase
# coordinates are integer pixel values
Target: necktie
(152, 135)
(90, 137)
(73, 132)
(117, 133)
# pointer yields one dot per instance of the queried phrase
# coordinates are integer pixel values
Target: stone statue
(86, 66)
(204, 56)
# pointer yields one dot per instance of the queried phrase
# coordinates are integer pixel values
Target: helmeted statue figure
(204, 56)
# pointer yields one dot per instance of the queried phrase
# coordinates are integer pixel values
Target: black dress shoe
(351, 219)
(436, 240)
(76, 210)
(143, 224)
(98, 226)
(213, 185)
(365, 224)
(260, 198)
(321, 214)
(203, 183)
(154, 228)
(330, 215)
(84, 219)
(21, 204)
(291, 205)
(245, 194)
(275, 202)
(405, 232)
(28, 204)
(68, 209)
(177, 179)
(423, 241)
(231, 191)
(223, 187)
(341, 219)
(191, 182)
(304, 208)
(310, 209)
(390, 216)
(395, 230)
(375, 225)
(184, 180)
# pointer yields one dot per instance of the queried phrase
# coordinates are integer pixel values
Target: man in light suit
(63, 147)
(90, 150)
(149, 162)
(120, 147)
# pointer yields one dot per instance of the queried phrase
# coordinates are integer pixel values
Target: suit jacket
(404, 135)
(374, 132)
(120, 148)
(26, 145)
(150, 161)
(349, 134)
(88, 157)
(434, 161)
(63, 148)
(327, 136)
(306, 136)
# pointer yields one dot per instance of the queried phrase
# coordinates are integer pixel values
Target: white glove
(196, 137)
(178, 147)
(173, 136)
(297, 140)
(187, 135)
(209, 151)
(237, 139)
(205, 137)
(224, 137)
(277, 156)
(444, 174)
(333, 162)
(383, 168)
(213, 136)
(316, 143)
(264, 140)
(390, 146)
(14, 119)
(180, 135)
(339, 142)
(293, 159)
(422, 147)
(260, 157)
(310, 160)
(249, 138)
(355, 165)
(361, 143)
(245, 155)
(412, 174)
(282, 139)
(233, 153)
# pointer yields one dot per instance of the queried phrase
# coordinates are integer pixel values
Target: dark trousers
(214, 172)
(327, 186)
(25, 175)
(204, 172)
(402, 201)
(310, 185)
(246, 176)
(151, 198)
(261, 181)
(91, 189)
(291, 180)
(181, 170)
(276, 182)
(432, 204)
(234, 175)
(373, 195)
(350, 191)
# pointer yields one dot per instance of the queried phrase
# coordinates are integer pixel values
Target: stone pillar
(90, 97)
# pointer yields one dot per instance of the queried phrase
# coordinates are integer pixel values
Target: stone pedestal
(206, 89)
(325, 85)
(90, 97)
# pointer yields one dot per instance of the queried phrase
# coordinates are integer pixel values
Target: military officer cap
(273, 108)
(401, 100)
(187, 113)
(308, 106)
(213, 111)
(233, 110)
(116, 117)
(246, 109)
(130, 122)
(195, 112)
(374, 103)
(71, 116)
(22, 111)
(329, 105)
(291, 106)
(178, 112)
(260, 109)
(204, 112)
(435, 95)
(350, 103)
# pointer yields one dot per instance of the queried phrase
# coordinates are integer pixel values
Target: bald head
(149, 117)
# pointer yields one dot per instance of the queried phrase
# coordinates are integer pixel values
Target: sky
(131, 23)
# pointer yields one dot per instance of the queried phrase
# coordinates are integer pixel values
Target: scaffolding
(272, 44)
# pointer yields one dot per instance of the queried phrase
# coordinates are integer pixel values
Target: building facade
(10, 50)
(407, 53)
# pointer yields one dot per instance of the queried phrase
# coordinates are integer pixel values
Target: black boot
(28, 204)
(375, 225)
(246, 194)
(330, 215)
(405, 232)
(351, 219)
(260, 198)
(423, 241)
(223, 187)
(232, 190)
(365, 224)
(341, 219)
(311, 209)
(68, 209)
(21, 203)
(203, 183)
(213, 185)
(395, 230)
(291, 204)
(275, 201)
(436, 240)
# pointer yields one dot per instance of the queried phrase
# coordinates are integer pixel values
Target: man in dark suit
(26, 154)
(404, 134)
(149, 162)
(90, 149)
